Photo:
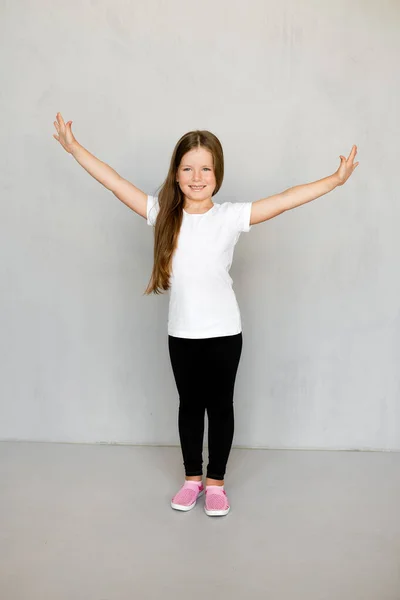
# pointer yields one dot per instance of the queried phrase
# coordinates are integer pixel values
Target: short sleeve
(152, 210)
(241, 215)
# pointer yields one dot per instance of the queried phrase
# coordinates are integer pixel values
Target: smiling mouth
(197, 187)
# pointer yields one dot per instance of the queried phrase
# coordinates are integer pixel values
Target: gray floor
(94, 522)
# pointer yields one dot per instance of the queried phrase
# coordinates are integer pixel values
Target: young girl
(194, 240)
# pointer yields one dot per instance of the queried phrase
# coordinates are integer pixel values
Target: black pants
(205, 372)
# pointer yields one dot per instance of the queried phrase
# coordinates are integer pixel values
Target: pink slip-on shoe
(216, 504)
(187, 496)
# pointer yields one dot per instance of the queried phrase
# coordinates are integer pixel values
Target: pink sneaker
(187, 496)
(216, 504)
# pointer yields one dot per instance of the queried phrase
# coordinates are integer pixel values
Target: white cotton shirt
(202, 301)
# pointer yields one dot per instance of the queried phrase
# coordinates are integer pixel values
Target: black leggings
(205, 372)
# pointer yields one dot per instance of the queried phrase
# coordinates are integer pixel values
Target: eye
(187, 168)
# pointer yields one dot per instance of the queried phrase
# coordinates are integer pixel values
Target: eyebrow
(191, 165)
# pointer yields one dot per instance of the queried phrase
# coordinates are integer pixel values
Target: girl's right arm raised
(120, 187)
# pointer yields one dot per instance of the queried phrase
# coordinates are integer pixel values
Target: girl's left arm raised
(270, 207)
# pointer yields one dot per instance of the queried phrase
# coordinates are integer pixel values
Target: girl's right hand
(65, 135)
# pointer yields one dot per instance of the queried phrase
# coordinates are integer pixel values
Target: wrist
(335, 180)
(74, 147)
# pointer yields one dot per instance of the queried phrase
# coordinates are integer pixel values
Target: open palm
(65, 135)
(346, 166)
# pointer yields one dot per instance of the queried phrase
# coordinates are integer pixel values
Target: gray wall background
(287, 88)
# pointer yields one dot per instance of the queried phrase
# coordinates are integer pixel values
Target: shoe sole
(186, 508)
(216, 513)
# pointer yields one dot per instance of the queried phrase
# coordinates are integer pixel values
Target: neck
(197, 207)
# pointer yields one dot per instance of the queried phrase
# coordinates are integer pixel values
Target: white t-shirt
(202, 301)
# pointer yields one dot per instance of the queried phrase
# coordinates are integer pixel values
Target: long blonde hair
(171, 201)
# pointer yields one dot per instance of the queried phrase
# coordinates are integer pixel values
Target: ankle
(214, 482)
(195, 478)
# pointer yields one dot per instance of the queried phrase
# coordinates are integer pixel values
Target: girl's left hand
(346, 167)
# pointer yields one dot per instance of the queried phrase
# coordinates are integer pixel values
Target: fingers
(60, 119)
(57, 126)
(353, 152)
(60, 125)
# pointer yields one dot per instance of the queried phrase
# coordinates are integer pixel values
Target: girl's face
(196, 175)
